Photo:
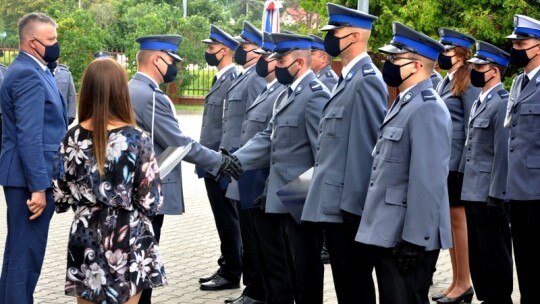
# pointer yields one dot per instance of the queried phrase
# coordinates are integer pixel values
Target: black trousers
(350, 259)
(251, 270)
(305, 241)
(525, 224)
(277, 265)
(228, 228)
(490, 252)
(397, 289)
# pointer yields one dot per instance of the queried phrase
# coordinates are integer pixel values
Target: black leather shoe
(243, 299)
(466, 297)
(231, 300)
(208, 278)
(219, 283)
(438, 297)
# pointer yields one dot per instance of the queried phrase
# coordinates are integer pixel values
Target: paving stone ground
(189, 245)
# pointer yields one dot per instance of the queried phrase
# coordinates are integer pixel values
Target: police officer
(65, 84)
(458, 94)
(435, 78)
(347, 133)
(406, 216)
(154, 111)
(484, 179)
(321, 63)
(288, 146)
(242, 92)
(220, 47)
(523, 184)
(252, 183)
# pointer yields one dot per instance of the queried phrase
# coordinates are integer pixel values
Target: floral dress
(112, 251)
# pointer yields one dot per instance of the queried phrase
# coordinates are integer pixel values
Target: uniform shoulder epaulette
(329, 73)
(368, 69)
(428, 95)
(503, 93)
(315, 85)
(156, 89)
(63, 67)
(3, 65)
(234, 75)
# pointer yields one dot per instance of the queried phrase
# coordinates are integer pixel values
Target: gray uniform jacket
(253, 182)
(460, 109)
(348, 131)
(435, 78)
(486, 149)
(213, 110)
(64, 82)
(328, 77)
(524, 145)
(167, 133)
(289, 143)
(241, 94)
(408, 196)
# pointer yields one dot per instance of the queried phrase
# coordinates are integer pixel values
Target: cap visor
(392, 49)
(175, 56)
(329, 27)
(240, 39)
(262, 52)
(516, 37)
(208, 40)
(278, 55)
(478, 61)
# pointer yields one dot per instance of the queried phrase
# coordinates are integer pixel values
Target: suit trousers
(525, 223)
(24, 251)
(228, 228)
(305, 241)
(350, 259)
(490, 252)
(395, 288)
(276, 260)
(251, 271)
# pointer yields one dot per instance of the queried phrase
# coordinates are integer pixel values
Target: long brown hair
(462, 76)
(104, 98)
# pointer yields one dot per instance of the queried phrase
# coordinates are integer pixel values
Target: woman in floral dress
(106, 172)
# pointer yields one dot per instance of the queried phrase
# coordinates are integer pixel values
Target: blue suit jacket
(34, 123)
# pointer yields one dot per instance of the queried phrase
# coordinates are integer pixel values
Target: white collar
(224, 70)
(43, 66)
(346, 69)
(531, 74)
(483, 95)
(146, 75)
(297, 81)
(271, 83)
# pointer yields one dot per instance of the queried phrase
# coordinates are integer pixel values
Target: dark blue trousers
(24, 251)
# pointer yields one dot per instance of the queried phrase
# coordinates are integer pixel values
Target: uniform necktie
(289, 92)
(394, 104)
(524, 82)
(478, 103)
(340, 80)
(214, 80)
(443, 84)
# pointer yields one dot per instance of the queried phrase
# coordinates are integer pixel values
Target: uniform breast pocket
(333, 122)
(395, 208)
(214, 108)
(258, 119)
(529, 117)
(287, 129)
(481, 132)
(390, 150)
(235, 105)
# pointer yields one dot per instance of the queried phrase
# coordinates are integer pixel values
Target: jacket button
(374, 168)
(511, 149)
(371, 184)
(426, 238)
(405, 202)
(468, 159)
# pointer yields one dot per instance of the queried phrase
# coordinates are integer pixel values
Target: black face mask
(284, 76)
(240, 56)
(445, 62)
(171, 72)
(478, 79)
(52, 52)
(331, 44)
(519, 58)
(392, 73)
(262, 67)
(211, 58)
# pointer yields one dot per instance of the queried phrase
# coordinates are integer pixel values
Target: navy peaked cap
(408, 40)
(341, 16)
(454, 38)
(249, 34)
(165, 43)
(284, 43)
(218, 35)
(487, 53)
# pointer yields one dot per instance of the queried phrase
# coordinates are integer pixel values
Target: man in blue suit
(35, 121)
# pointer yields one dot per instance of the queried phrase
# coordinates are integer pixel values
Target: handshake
(230, 166)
